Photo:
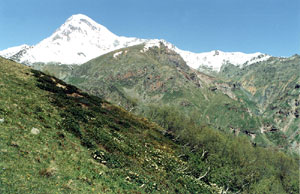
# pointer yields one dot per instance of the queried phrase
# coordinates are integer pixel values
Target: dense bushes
(231, 162)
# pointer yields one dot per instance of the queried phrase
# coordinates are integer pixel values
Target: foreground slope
(54, 138)
(57, 139)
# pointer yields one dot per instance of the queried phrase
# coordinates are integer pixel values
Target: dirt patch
(61, 86)
(251, 89)
(75, 95)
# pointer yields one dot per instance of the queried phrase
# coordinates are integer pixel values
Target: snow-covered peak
(83, 24)
(78, 17)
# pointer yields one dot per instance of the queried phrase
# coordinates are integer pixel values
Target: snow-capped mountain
(81, 39)
(77, 41)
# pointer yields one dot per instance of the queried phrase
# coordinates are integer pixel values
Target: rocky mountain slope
(81, 39)
(56, 139)
(274, 85)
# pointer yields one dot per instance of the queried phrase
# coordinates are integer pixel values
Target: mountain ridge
(93, 39)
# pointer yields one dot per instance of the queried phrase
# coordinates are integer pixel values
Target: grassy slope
(132, 155)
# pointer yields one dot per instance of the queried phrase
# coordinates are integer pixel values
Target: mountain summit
(81, 39)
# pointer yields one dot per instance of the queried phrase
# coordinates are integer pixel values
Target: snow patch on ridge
(13, 50)
(117, 54)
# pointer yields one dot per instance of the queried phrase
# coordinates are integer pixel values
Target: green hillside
(57, 139)
(157, 78)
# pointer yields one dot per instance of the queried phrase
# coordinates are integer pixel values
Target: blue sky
(268, 26)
